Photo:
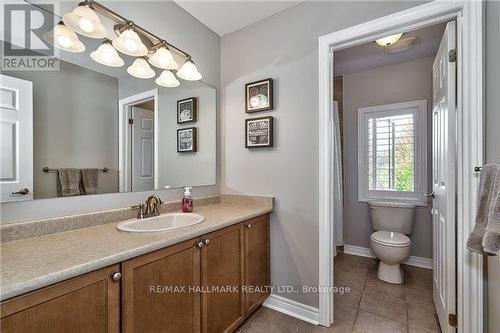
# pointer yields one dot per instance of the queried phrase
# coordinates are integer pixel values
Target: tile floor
(372, 305)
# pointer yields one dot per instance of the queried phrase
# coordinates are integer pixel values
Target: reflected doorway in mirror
(187, 139)
(187, 110)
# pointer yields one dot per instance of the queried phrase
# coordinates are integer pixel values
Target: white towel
(485, 238)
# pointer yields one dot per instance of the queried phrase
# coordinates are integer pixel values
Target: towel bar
(47, 170)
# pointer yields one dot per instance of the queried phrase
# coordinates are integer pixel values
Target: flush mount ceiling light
(107, 55)
(167, 79)
(130, 43)
(141, 69)
(132, 40)
(389, 40)
(189, 72)
(84, 20)
(162, 58)
(64, 38)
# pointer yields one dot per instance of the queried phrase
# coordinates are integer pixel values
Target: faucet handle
(141, 207)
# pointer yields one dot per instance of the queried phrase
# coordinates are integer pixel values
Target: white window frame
(420, 155)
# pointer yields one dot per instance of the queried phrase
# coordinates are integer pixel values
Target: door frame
(124, 139)
(470, 142)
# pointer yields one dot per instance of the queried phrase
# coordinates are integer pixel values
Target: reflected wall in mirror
(99, 130)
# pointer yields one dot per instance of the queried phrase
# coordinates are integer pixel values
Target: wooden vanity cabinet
(257, 267)
(159, 290)
(88, 303)
(206, 284)
(222, 259)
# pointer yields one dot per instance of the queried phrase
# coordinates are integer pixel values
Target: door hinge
(131, 121)
(452, 320)
(452, 55)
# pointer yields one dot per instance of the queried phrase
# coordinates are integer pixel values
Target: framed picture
(259, 132)
(187, 139)
(259, 96)
(187, 110)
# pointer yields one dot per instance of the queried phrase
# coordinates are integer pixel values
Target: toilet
(391, 223)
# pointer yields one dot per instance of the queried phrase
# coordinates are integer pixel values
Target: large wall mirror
(96, 129)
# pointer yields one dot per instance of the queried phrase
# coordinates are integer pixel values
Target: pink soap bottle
(187, 201)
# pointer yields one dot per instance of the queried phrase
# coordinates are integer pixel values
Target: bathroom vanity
(206, 278)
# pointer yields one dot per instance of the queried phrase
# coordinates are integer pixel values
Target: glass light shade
(189, 72)
(389, 40)
(64, 38)
(130, 43)
(167, 79)
(85, 21)
(162, 58)
(107, 55)
(141, 69)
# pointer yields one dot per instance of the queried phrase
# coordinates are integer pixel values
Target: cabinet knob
(116, 276)
(206, 241)
(249, 226)
(200, 244)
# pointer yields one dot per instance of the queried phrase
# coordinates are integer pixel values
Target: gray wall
(284, 47)
(169, 21)
(493, 144)
(75, 124)
(384, 85)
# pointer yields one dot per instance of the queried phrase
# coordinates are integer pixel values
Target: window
(392, 152)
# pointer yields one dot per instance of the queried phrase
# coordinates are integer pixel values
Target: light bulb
(64, 41)
(131, 45)
(129, 42)
(107, 55)
(84, 20)
(189, 72)
(86, 25)
(141, 69)
(64, 38)
(167, 79)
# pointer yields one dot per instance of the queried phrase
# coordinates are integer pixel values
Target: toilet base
(390, 273)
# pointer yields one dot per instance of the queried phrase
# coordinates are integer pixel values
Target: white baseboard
(292, 308)
(366, 252)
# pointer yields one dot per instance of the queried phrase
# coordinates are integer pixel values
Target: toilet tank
(388, 216)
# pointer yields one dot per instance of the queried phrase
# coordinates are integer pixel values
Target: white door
(16, 134)
(444, 178)
(142, 149)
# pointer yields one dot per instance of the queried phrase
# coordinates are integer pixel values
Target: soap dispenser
(187, 201)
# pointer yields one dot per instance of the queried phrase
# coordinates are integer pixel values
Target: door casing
(470, 141)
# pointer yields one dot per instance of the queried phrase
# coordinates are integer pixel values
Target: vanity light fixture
(84, 20)
(167, 79)
(64, 38)
(129, 42)
(388, 40)
(132, 40)
(189, 72)
(107, 55)
(141, 69)
(162, 58)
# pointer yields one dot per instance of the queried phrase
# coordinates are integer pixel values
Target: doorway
(469, 16)
(138, 142)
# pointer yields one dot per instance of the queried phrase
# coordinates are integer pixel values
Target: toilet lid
(390, 238)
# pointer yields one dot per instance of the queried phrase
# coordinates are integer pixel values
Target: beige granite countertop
(32, 263)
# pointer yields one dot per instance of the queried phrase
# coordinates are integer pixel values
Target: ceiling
(371, 55)
(224, 17)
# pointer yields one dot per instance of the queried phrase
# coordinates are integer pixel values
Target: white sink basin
(162, 222)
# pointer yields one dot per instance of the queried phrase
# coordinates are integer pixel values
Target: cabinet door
(161, 290)
(89, 303)
(257, 273)
(222, 279)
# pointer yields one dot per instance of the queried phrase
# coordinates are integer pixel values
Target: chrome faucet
(150, 208)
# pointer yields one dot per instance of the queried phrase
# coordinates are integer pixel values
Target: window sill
(395, 200)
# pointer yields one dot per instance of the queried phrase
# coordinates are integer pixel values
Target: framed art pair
(187, 112)
(259, 96)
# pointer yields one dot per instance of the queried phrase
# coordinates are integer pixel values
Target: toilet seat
(389, 238)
